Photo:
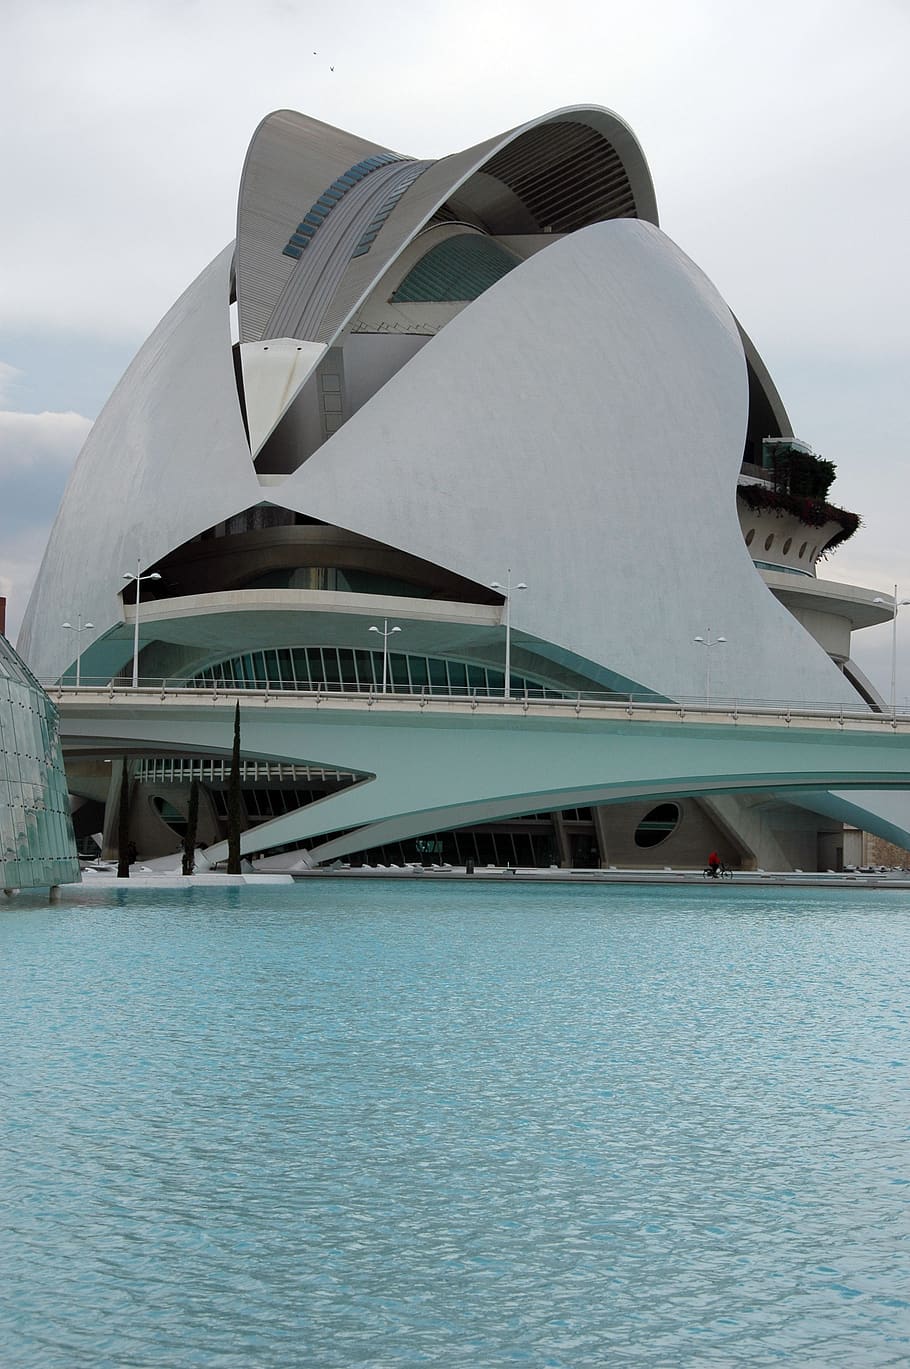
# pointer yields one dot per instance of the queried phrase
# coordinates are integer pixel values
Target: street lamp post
(138, 576)
(707, 642)
(385, 633)
(506, 590)
(895, 605)
(79, 629)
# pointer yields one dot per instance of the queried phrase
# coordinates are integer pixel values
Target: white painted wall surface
(167, 457)
(583, 423)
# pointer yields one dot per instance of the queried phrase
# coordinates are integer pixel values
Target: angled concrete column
(109, 849)
(562, 840)
(600, 831)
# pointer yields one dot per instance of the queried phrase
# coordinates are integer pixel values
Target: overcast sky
(776, 133)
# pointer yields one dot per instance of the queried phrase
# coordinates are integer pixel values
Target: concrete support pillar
(112, 810)
(600, 831)
(562, 840)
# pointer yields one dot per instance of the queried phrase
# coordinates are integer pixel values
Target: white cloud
(32, 441)
(21, 561)
(36, 454)
(8, 378)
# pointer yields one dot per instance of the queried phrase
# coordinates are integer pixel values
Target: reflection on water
(370, 1124)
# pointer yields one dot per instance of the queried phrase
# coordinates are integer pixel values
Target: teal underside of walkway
(429, 769)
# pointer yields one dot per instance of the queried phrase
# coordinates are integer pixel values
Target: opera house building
(486, 407)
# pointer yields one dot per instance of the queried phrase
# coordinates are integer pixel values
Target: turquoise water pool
(351, 1123)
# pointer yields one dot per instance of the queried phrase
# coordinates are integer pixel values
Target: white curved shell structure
(442, 371)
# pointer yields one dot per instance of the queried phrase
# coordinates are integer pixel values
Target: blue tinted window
(460, 268)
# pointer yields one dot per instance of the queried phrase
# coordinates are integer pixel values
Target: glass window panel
(364, 660)
(331, 667)
(348, 673)
(285, 668)
(270, 670)
(458, 675)
(300, 669)
(419, 674)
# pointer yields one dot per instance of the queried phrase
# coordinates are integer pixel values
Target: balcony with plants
(793, 496)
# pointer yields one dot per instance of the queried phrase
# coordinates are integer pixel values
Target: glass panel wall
(337, 669)
(37, 845)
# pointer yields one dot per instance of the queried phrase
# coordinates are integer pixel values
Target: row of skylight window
(318, 212)
(385, 209)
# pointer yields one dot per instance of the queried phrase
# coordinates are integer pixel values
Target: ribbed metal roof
(567, 175)
(290, 161)
(569, 169)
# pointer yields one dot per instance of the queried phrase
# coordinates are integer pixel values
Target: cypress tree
(234, 818)
(192, 822)
(123, 825)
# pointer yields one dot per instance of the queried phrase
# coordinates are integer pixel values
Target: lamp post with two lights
(506, 590)
(385, 633)
(895, 605)
(78, 629)
(139, 575)
(708, 642)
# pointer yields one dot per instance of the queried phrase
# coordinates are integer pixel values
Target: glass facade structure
(37, 846)
(460, 268)
(344, 670)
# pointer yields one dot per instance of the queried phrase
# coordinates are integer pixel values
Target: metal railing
(180, 769)
(541, 701)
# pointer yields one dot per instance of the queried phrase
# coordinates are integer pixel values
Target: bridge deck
(71, 700)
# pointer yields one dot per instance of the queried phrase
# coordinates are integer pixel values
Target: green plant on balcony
(801, 481)
(799, 473)
(813, 512)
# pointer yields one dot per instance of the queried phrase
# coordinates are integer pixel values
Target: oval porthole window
(749, 536)
(169, 814)
(802, 550)
(769, 542)
(657, 825)
(788, 544)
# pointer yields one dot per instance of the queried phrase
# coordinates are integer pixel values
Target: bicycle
(723, 872)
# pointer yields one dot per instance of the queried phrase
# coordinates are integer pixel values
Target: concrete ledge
(753, 878)
(513, 875)
(170, 880)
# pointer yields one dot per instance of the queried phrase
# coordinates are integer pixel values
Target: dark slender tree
(233, 805)
(189, 837)
(123, 825)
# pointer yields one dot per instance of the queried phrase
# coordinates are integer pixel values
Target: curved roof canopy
(322, 214)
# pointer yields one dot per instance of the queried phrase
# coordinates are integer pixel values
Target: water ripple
(342, 1124)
